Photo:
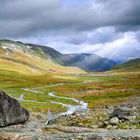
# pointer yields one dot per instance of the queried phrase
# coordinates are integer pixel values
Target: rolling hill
(131, 64)
(23, 58)
(37, 58)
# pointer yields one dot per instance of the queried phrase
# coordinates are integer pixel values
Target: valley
(78, 98)
(100, 91)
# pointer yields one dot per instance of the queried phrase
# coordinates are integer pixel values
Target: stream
(70, 108)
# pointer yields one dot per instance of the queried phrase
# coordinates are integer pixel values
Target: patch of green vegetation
(128, 125)
(21, 62)
(135, 63)
(38, 107)
(13, 82)
(114, 88)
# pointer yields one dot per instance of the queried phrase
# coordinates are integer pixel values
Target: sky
(109, 28)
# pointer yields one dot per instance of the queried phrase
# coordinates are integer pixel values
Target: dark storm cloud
(109, 28)
(29, 17)
(101, 35)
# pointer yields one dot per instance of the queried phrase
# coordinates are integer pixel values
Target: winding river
(71, 109)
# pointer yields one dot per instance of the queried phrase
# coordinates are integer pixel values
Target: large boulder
(10, 111)
(123, 112)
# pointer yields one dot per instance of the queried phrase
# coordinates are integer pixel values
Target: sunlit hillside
(25, 59)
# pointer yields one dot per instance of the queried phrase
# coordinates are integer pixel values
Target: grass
(12, 82)
(97, 91)
(103, 90)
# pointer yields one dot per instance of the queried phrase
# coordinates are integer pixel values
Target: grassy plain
(97, 89)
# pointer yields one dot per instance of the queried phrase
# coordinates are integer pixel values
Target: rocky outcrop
(124, 116)
(124, 112)
(11, 111)
(35, 129)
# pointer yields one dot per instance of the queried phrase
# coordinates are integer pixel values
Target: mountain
(43, 58)
(87, 62)
(131, 64)
(29, 59)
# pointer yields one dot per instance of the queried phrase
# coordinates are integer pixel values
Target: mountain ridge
(84, 61)
(19, 57)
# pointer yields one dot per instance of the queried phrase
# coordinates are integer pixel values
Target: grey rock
(106, 123)
(109, 127)
(50, 118)
(10, 111)
(114, 121)
(50, 122)
(123, 112)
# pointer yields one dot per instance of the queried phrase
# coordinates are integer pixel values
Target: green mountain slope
(24, 58)
(41, 57)
(132, 64)
(87, 62)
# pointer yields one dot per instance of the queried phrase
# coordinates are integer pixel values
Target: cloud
(105, 27)
(124, 48)
(100, 35)
(36, 17)
(117, 46)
